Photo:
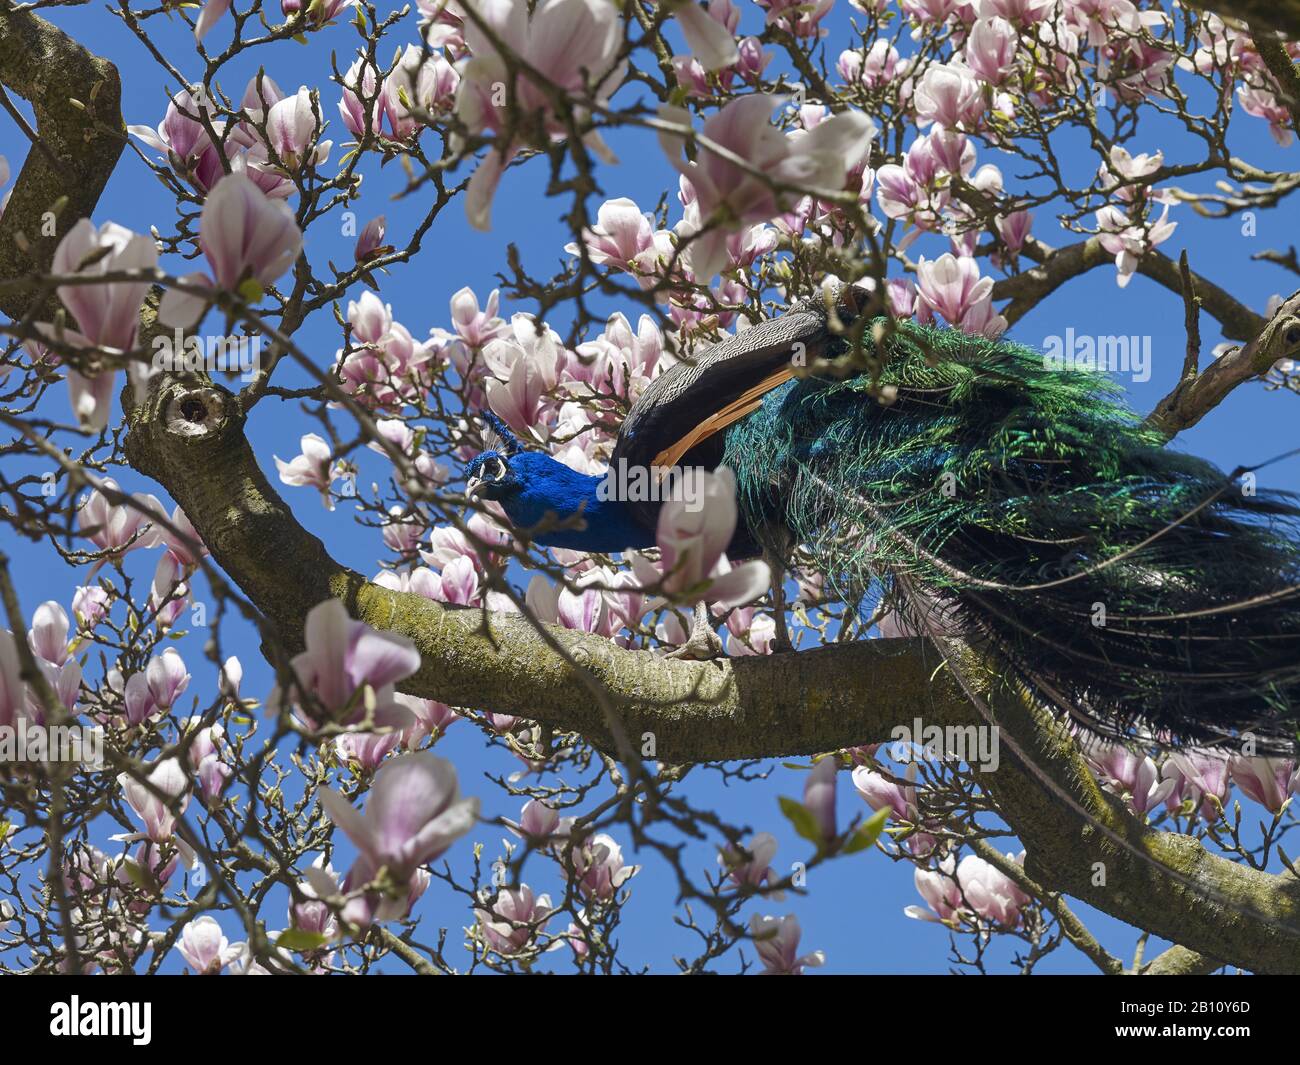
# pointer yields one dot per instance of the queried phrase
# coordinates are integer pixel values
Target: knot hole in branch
(195, 412)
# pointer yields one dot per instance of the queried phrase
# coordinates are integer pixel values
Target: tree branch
(1281, 15)
(1197, 392)
(66, 171)
(1056, 266)
(1196, 395)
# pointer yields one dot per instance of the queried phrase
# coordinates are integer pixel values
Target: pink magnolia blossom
(48, 636)
(897, 191)
(180, 135)
(205, 948)
(692, 540)
(260, 93)
(313, 915)
(502, 723)
(13, 692)
(1206, 773)
(1129, 240)
(169, 778)
(537, 822)
(360, 92)
(582, 609)
(1266, 780)
(1019, 12)
(138, 701)
(402, 532)
(570, 43)
(1264, 104)
(952, 287)
(1135, 65)
(881, 792)
(370, 318)
(941, 892)
(292, 131)
(524, 370)
(930, 11)
(143, 874)
(623, 238)
(754, 636)
(370, 244)
(311, 468)
(945, 150)
(205, 758)
(991, 894)
(1014, 229)
(710, 40)
(474, 325)
(511, 921)
(458, 582)
(431, 718)
(248, 239)
(90, 605)
(752, 867)
(598, 868)
(319, 12)
(901, 295)
(776, 939)
(414, 812)
(990, 49)
(730, 197)
(167, 677)
(801, 18)
(107, 314)
(116, 528)
(419, 82)
(1127, 772)
(949, 96)
(446, 543)
(244, 235)
(212, 11)
(229, 678)
(343, 658)
(876, 67)
(1125, 167)
(183, 544)
(366, 749)
(168, 592)
(753, 59)
(819, 795)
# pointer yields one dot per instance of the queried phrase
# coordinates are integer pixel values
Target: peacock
(940, 479)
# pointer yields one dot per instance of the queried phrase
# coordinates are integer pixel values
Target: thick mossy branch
(1280, 15)
(76, 97)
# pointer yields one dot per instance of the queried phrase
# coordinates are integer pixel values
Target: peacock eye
(494, 470)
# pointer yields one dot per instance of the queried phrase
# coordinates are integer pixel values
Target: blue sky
(854, 907)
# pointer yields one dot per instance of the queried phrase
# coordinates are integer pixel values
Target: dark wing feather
(685, 409)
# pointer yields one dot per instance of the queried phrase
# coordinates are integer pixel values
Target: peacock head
(490, 474)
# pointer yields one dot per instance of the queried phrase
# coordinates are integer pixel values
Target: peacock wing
(680, 416)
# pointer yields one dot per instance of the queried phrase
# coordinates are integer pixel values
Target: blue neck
(551, 486)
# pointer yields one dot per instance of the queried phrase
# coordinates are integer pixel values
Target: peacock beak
(473, 487)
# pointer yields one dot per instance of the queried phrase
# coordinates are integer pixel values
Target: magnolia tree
(956, 162)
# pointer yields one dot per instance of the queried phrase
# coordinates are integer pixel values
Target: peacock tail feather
(1027, 507)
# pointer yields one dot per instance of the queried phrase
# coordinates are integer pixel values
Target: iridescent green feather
(1032, 509)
